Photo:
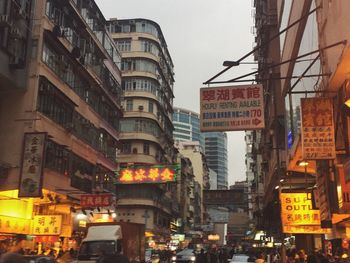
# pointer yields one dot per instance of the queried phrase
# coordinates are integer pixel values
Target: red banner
(96, 200)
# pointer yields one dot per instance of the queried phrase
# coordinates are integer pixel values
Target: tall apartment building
(186, 124)
(146, 130)
(216, 155)
(60, 97)
(267, 145)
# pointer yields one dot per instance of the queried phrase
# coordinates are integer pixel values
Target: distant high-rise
(186, 124)
(216, 154)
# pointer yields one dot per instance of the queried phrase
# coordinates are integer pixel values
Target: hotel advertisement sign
(30, 183)
(232, 108)
(317, 129)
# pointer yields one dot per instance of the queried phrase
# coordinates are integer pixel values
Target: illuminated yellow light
(114, 215)
(347, 103)
(302, 163)
(81, 216)
(82, 223)
(214, 237)
(149, 234)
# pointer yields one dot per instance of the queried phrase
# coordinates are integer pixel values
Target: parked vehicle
(186, 255)
(239, 258)
(111, 238)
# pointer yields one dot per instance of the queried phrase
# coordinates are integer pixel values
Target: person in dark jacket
(202, 257)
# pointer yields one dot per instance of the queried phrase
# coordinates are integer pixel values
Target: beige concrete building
(193, 151)
(146, 128)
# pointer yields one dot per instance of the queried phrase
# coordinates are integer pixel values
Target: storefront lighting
(302, 163)
(277, 186)
(114, 215)
(282, 180)
(81, 216)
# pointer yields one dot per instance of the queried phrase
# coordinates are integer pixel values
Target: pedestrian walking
(213, 257)
(202, 257)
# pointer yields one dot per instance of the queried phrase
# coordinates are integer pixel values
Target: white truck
(125, 238)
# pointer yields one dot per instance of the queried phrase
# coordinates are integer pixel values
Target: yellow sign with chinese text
(47, 225)
(14, 225)
(306, 230)
(296, 209)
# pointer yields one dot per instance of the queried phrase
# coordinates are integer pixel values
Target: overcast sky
(200, 35)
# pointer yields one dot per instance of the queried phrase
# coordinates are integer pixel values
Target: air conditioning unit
(140, 107)
(5, 20)
(15, 32)
(57, 31)
(134, 150)
(76, 52)
(69, 126)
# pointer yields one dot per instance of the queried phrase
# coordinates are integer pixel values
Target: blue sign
(290, 140)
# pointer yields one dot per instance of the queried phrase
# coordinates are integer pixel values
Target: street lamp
(228, 63)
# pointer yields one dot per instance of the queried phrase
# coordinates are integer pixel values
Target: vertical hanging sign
(31, 176)
(317, 129)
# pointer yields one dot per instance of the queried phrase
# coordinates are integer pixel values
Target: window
(129, 105)
(146, 148)
(126, 147)
(150, 106)
(124, 45)
(54, 104)
(57, 157)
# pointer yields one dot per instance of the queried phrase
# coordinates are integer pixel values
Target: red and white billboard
(232, 108)
(96, 200)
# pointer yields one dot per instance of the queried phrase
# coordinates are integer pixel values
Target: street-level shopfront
(52, 222)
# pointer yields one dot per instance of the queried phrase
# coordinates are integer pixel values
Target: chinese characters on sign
(296, 209)
(14, 225)
(30, 183)
(96, 200)
(232, 108)
(47, 225)
(306, 230)
(297, 214)
(317, 130)
(151, 174)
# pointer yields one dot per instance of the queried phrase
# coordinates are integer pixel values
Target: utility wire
(209, 81)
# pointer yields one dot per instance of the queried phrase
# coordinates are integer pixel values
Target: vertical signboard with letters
(30, 183)
(317, 129)
(232, 108)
